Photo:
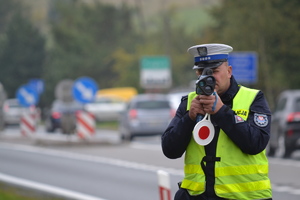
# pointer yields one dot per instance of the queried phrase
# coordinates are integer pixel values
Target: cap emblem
(202, 51)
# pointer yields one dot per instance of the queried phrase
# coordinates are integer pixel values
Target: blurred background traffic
(125, 61)
(49, 44)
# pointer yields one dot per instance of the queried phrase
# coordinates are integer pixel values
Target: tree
(22, 55)
(86, 38)
(6, 11)
(268, 27)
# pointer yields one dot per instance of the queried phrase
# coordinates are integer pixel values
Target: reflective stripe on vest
(238, 175)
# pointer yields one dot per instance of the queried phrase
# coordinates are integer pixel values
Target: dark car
(62, 115)
(146, 114)
(285, 126)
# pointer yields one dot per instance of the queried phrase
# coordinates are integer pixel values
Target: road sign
(164, 185)
(28, 124)
(84, 89)
(27, 96)
(244, 66)
(37, 84)
(155, 72)
(85, 125)
(63, 90)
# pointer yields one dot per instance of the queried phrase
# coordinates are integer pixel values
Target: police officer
(234, 164)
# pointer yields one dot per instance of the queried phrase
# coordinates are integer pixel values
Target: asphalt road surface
(109, 169)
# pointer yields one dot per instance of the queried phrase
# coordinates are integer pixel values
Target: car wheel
(125, 135)
(50, 130)
(49, 127)
(2, 125)
(270, 150)
(283, 151)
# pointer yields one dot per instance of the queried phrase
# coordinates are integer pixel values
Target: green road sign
(155, 72)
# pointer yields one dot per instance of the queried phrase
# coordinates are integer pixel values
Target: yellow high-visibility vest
(237, 175)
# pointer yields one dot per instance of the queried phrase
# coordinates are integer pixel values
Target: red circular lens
(203, 132)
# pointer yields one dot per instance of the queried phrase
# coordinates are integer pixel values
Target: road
(115, 170)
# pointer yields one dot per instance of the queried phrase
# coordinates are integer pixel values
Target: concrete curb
(101, 137)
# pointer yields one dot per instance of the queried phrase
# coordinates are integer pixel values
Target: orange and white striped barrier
(85, 125)
(164, 185)
(28, 124)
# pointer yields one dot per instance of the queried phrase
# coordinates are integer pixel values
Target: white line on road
(139, 166)
(46, 188)
(91, 158)
(285, 189)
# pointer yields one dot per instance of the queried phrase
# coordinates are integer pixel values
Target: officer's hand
(208, 102)
(196, 108)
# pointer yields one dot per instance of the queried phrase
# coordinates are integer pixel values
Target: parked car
(13, 111)
(106, 107)
(146, 114)
(62, 115)
(285, 125)
(175, 98)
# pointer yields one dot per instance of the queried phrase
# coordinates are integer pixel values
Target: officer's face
(222, 75)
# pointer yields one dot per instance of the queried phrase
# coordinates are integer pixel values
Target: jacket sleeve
(177, 136)
(251, 137)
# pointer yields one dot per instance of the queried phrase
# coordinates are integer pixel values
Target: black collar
(231, 92)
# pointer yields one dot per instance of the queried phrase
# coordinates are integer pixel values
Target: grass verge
(12, 192)
(111, 125)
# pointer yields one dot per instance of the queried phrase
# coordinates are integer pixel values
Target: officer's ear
(229, 71)
(198, 72)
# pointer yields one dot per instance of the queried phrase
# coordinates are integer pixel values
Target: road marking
(139, 166)
(285, 189)
(91, 158)
(46, 188)
(287, 162)
(139, 145)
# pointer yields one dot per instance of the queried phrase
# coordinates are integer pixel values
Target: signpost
(84, 91)
(27, 96)
(155, 72)
(244, 66)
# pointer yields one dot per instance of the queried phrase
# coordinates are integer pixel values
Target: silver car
(13, 111)
(106, 108)
(146, 114)
(285, 126)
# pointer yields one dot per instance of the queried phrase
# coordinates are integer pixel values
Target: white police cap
(209, 55)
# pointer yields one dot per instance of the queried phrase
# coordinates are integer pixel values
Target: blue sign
(37, 84)
(84, 89)
(27, 96)
(244, 66)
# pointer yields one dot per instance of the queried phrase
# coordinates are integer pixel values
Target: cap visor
(207, 65)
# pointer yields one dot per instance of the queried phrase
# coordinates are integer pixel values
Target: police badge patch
(261, 120)
(238, 119)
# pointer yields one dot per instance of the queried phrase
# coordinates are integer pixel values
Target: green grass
(111, 125)
(10, 192)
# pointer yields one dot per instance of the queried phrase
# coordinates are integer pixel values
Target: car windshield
(71, 106)
(297, 105)
(152, 104)
(14, 105)
(107, 100)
